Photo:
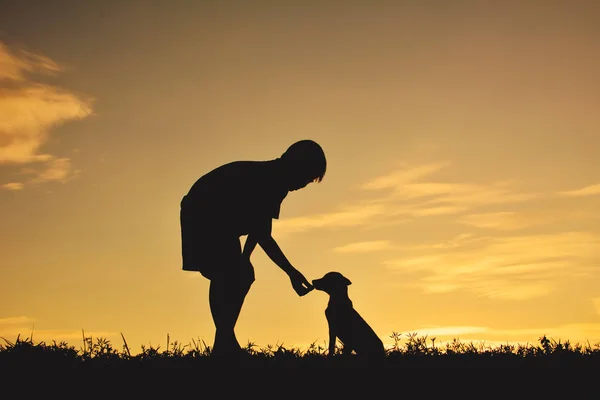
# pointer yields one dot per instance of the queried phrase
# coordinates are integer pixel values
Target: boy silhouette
(237, 199)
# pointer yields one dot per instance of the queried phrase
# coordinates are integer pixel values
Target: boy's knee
(247, 276)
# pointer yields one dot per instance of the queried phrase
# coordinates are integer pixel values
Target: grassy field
(409, 351)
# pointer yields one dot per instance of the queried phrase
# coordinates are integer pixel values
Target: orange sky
(463, 182)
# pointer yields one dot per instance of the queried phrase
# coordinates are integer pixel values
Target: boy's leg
(226, 297)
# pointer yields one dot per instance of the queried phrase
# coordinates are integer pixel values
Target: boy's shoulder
(248, 169)
(249, 185)
(249, 174)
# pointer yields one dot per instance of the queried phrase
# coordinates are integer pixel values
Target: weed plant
(412, 352)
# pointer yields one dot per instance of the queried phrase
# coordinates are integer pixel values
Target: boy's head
(305, 162)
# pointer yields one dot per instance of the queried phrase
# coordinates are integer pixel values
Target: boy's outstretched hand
(300, 283)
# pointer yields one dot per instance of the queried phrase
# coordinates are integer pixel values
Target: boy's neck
(281, 170)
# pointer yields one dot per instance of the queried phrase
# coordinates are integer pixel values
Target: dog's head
(331, 282)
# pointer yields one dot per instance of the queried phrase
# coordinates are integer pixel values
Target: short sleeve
(276, 205)
(275, 211)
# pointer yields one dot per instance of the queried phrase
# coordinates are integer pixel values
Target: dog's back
(353, 331)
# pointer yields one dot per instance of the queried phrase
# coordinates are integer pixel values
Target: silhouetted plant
(413, 352)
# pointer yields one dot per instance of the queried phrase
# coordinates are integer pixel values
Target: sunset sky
(463, 183)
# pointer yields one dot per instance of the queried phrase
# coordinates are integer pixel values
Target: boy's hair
(307, 156)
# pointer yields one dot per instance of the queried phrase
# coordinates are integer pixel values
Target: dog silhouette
(345, 323)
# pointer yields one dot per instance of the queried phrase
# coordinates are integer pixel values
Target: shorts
(208, 250)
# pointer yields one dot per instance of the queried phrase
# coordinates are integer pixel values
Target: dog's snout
(317, 284)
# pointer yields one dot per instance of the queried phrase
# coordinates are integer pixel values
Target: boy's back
(232, 196)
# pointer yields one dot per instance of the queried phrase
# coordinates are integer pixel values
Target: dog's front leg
(332, 340)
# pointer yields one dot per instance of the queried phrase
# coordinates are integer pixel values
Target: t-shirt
(236, 196)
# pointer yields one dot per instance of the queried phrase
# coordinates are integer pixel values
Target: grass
(409, 352)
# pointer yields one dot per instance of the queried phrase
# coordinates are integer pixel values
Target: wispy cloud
(590, 190)
(348, 216)
(413, 184)
(411, 192)
(14, 186)
(505, 221)
(460, 240)
(58, 170)
(513, 220)
(402, 195)
(23, 326)
(404, 175)
(364, 247)
(453, 331)
(432, 211)
(29, 111)
(576, 333)
(14, 65)
(49, 335)
(516, 267)
(463, 195)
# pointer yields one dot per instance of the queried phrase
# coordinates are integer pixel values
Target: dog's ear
(347, 281)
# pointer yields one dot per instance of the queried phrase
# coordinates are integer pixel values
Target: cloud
(15, 64)
(30, 110)
(414, 190)
(576, 333)
(442, 210)
(58, 169)
(26, 116)
(517, 267)
(589, 190)
(403, 176)
(349, 216)
(453, 331)
(512, 220)
(505, 221)
(414, 194)
(49, 335)
(408, 183)
(14, 186)
(460, 240)
(462, 195)
(408, 198)
(23, 326)
(364, 247)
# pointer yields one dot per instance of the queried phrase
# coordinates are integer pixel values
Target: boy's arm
(272, 249)
(249, 245)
